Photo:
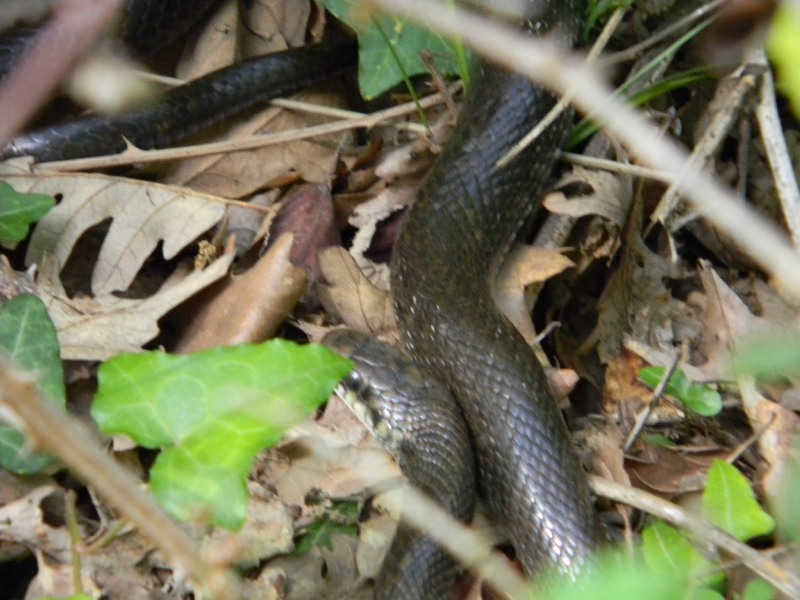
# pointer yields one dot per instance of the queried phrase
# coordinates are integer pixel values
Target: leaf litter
(636, 296)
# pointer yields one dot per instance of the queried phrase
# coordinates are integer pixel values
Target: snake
(443, 269)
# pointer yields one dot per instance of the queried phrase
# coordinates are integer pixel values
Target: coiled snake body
(443, 269)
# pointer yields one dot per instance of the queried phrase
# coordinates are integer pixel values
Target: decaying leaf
(610, 195)
(237, 174)
(248, 307)
(726, 319)
(359, 304)
(142, 213)
(101, 327)
(525, 266)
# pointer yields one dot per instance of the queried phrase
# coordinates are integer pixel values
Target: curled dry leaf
(307, 213)
(525, 266)
(142, 213)
(350, 296)
(248, 307)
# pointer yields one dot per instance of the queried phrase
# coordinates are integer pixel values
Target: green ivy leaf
(698, 398)
(18, 211)
(729, 503)
(378, 69)
(212, 412)
(666, 550)
(29, 337)
(758, 589)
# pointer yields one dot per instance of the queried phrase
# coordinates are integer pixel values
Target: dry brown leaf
(101, 327)
(350, 296)
(274, 25)
(23, 521)
(268, 530)
(610, 195)
(525, 266)
(248, 307)
(668, 472)
(216, 45)
(238, 174)
(143, 214)
(725, 320)
(366, 217)
(307, 213)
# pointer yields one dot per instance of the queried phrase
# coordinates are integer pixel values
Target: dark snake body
(419, 422)
(443, 269)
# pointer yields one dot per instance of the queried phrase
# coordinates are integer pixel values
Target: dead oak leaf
(610, 195)
(142, 213)
(104, 326)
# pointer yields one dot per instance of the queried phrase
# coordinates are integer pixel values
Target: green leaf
(783, 47)
(704, 593)
(378, 69)
(342, 520)
(758, 589)
(729, 503)
(18, 211)
(768, 355)
(212, 412)
(667, 551)
(656, 439)
(29, 337)
(600, 8)
(698, 398)
(613, 577)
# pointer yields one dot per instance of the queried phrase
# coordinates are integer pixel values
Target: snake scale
(443, 268)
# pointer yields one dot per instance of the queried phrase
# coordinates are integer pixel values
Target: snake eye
(354, 382)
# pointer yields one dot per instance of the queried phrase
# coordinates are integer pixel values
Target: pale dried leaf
(23, 521)
(238, 174)
(726, 319)
(101, 327)
(610, 195)
(525, 266)
(248, 307)
(216, 45)
(375, 536)
(143, 214)
(274, 25)
(350, 296)
(268, 530)
(366, 217)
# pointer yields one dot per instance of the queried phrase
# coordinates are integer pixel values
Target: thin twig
(769, 123)
(634, 51)
(564, 100)
(135, 155)
(643, 415)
